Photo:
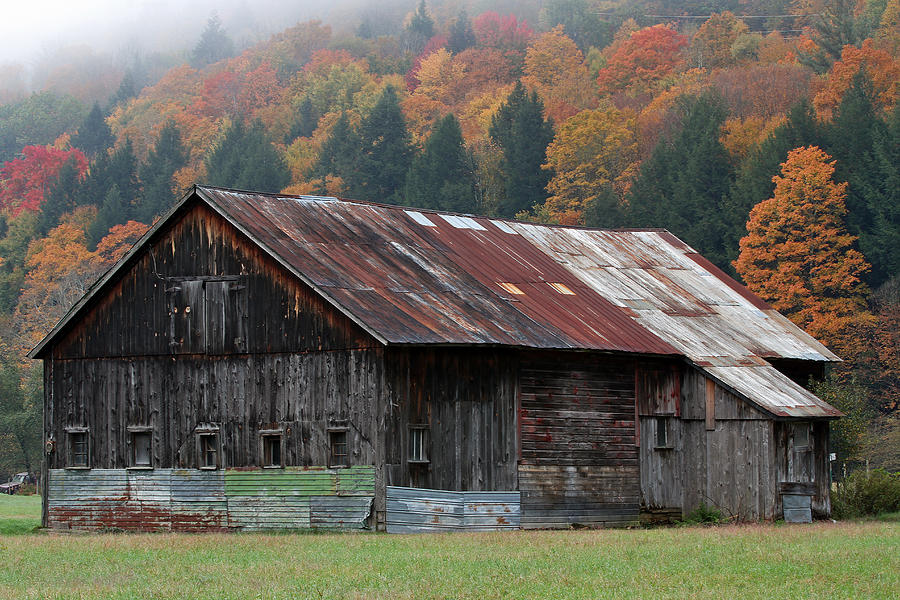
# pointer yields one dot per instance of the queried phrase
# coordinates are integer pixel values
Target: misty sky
(29, 28)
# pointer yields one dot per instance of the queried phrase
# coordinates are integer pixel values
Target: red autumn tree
(798, 255)
(506, 33)
(24, 180)
(645, 57)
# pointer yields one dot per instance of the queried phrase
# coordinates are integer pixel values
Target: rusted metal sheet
(195, 500)
(417, 510)
(409, 283)
(773, 391)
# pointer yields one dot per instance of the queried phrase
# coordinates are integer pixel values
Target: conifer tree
(521, 131)
(113, 211)
(61, 196)
(157, 174)
(420, 28)
(441, 177)
(213, 46)
(385, 152)
(245, 159)
(94, 135)
(461, 34)
(305, 122)
(881, 190)
(852, 138)
(337, 157)
(683, 184)
(797, 253)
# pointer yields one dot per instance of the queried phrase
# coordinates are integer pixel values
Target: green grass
(19, 514)
(843, 560)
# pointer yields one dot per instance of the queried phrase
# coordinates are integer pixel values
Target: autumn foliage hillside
(764, 134)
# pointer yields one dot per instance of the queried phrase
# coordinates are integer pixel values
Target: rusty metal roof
(421, 277)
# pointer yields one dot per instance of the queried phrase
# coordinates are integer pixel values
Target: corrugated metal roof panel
(782, 397)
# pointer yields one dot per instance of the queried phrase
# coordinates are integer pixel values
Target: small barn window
(339, 454)
(141, 441)
(208, 449)
(418, 444)
(79, 448)
(801, 436)
(271, 448)
(663, 433)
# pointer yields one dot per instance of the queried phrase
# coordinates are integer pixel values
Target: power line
(735, 16)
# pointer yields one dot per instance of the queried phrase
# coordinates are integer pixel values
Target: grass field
(846, 560)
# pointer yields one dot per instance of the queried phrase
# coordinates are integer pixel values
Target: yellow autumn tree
(798, 255)
(593, 157)
(555, 69)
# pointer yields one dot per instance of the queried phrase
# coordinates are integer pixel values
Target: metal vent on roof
(463, 222)
(511, 288)
(561, 288)
(504, 227)
(420, 218)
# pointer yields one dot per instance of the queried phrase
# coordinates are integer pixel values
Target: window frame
(266, 439)
(664, 424)
(423, 432)
(203, 434)
(333, 433)
(134, 431)
(71, 434)
(806, 427)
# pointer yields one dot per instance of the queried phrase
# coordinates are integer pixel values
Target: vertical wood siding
(579, 463)
(739, 466)
(467, 399)
(234, 291)
(302, 394)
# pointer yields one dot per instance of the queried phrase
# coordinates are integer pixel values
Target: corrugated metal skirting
(416, 510)
(196, 500)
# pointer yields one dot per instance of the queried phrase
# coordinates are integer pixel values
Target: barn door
(207, 316)
(187, 318)
(226, 312)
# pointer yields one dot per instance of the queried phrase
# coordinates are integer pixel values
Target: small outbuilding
(267, 361)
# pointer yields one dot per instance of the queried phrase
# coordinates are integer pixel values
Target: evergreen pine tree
(127, 90)
(305, 122)
(245, 159)
(385, 152)
(94, 135)
(520, 130)
(441, 177)
(420, 28)
(881, 190)
(114, 210)
(852, 136)
(157, 185)
(214, 44)
(338, 154)
(461, 34)
(682, 186)
(124, 174)
(61, 197)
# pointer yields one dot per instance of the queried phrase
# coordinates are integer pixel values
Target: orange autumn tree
(798, 255)
(644, 58)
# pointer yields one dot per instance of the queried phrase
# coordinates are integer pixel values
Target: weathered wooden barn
(262, 361)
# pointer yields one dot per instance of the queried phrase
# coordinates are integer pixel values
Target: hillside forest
(764, 133)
